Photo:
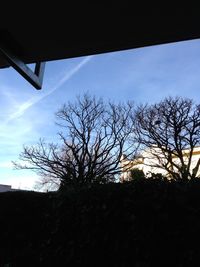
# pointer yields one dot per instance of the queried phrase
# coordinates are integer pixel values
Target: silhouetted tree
(137, 174)
(171, 131)
(94, 136)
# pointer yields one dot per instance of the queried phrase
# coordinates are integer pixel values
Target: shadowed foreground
(142, 223)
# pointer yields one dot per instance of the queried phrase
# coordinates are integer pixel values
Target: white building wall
(148, 161)
(5, 188)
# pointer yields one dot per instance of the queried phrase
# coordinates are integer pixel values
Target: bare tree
(94, 136)
(171, 130)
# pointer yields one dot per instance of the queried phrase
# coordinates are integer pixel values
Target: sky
(144, 75)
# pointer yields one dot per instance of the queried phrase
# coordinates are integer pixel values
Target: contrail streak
(26, 105)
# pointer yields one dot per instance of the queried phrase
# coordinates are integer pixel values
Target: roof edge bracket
(35, 78)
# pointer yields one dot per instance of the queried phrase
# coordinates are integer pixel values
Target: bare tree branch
(173, 128)
(94, 136)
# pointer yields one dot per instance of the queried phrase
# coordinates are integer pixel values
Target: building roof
(92, 30)
(58, 41)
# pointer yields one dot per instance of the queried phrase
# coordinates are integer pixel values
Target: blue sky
(142, 75)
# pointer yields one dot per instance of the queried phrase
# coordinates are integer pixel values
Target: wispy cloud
(26, 105)
(6, 164)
